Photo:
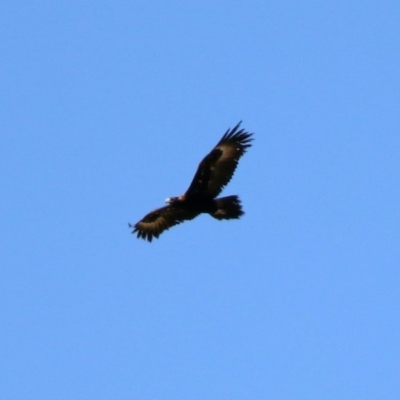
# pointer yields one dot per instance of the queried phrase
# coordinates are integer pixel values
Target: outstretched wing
(158, 221)
(217, 168)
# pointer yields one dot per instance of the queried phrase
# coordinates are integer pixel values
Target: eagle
(213, 174)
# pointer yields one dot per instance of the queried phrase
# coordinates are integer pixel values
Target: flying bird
(212, 175)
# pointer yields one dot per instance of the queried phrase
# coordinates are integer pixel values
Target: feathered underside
(217, 168)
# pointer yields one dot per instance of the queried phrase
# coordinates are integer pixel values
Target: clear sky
(107, 108)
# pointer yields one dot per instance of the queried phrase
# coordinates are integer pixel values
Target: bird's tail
(228, 208)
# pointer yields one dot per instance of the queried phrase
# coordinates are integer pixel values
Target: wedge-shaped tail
(228, 208)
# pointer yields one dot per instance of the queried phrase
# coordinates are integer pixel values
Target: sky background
(107, 108)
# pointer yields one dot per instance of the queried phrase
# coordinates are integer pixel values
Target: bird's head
(171, 200)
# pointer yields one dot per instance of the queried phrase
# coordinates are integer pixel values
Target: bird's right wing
(158, 221)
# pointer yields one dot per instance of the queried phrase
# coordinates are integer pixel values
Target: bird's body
(213, 174)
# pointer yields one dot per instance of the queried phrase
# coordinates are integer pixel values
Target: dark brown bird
(213, 174)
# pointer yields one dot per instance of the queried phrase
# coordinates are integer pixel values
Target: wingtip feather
(241, 136)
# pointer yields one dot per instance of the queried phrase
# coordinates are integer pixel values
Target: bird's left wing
(217, 168)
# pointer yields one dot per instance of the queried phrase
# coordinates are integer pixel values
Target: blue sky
(107, 108)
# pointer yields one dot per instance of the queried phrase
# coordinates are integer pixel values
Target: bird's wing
(157, 221)
(217, 168)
